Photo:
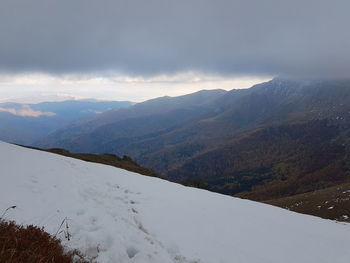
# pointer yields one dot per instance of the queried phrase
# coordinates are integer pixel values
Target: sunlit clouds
(116, 87)
(26, 111)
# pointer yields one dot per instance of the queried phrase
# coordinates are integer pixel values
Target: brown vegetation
(31, 244)
(125, 162)
(274, 162)
(330, 203)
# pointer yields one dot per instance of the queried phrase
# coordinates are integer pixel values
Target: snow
(119, 216)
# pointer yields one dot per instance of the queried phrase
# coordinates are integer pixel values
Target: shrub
(31, 244)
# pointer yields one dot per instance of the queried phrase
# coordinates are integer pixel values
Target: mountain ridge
(174, 142)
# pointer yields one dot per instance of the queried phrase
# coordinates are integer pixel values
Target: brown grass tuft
(31, 244)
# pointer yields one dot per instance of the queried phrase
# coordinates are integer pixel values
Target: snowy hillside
(119, 216)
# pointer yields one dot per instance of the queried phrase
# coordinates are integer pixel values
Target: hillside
(124, 162)
(287, 136)
(285, 160)
(331, 203)
(114, 214)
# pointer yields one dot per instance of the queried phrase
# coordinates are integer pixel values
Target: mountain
(109, 131)
(113, 215)
(302, 144)
(276, 139)
(26, 123)
(274, 162)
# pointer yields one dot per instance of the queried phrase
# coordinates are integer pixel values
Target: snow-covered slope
(120, 216)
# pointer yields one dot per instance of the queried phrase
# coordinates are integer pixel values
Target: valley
(277, 139)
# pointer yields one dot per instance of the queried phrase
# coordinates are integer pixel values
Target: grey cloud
(150, 37)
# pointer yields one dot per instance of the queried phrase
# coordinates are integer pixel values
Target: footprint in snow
(131, 251)
(33, 179)
(80, 212)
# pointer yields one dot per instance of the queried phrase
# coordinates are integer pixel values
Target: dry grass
(125, 162)
(31, 244)
(330, 203)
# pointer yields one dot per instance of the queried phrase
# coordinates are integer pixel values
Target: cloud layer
(148, 38)
(26, 111)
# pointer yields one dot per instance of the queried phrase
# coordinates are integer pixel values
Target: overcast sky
(189, 42)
